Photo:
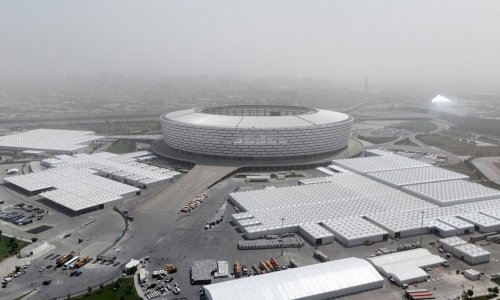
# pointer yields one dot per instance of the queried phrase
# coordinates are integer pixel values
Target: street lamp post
(421, 228)
(282, 220)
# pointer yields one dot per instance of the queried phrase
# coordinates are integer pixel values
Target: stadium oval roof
(324, 280)
(259, 116)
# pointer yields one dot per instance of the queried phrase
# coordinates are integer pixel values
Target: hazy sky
(415, 40)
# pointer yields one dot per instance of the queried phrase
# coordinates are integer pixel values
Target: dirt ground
(473, 151)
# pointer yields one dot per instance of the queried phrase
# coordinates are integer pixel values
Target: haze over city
(451, 43)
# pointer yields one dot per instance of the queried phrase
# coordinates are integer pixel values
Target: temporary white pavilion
(49, 140)
(406, 266)
(319, 281)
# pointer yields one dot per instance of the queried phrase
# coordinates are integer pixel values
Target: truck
(71, 262)
(170, 268)
(82, 261)
(63, 259)
(237, 269)
(264, 267)
(275, 263)
(269, 265)
(320, 256)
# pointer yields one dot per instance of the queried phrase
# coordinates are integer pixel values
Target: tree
(495, 290)
(34, 239)
(470, 293)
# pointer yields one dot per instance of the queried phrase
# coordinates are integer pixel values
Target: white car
(41, 269)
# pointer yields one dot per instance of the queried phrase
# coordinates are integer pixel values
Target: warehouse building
(447, 205)
(482, 222)
(50, 141)
(449, 243)
(406, 267)
(72, 183)
(319, 281)
(355, 231)
(446, 193)
(316, 234)
(404, 177)
(471, 254)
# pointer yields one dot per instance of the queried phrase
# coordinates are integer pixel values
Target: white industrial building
(406, 266)
(355, 231)
(402, 177)
(318, 203)
(373, 194)
(471, 254)
(449, 243)
(461, 227)
(482, 223)
(446, 193)
(319, 281)
(125, 167)
(49, 140)
(316, 234)
(72, 183)
(386, 162)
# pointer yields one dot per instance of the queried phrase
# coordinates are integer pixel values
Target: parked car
(46, 282)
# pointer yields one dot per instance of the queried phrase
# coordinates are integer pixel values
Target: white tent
(319, 281)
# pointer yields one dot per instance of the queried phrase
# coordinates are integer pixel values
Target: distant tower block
(366, 85)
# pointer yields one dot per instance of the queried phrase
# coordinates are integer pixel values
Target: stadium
(256, 132)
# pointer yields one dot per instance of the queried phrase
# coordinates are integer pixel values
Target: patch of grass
(377, 139)
(417, 126)
(125, 290)
(440, 140)
(9, 246)
(121, 147)
(406, 142)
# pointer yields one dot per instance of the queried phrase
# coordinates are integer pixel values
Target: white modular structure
(406, 266)
(471, 254)
(315, 234)
(482, 223)
(131, 264)
(319, 281)
(72, 182)
(49, 140)
(222, 269)
(412, 222)
(386, 162)
(124, 167)
(472, 274)
(441, 228)
(446, 193)
(355, 231)
(449, 243)
(318, 203)
(460, 225)
(403, 177)
(256, 131)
